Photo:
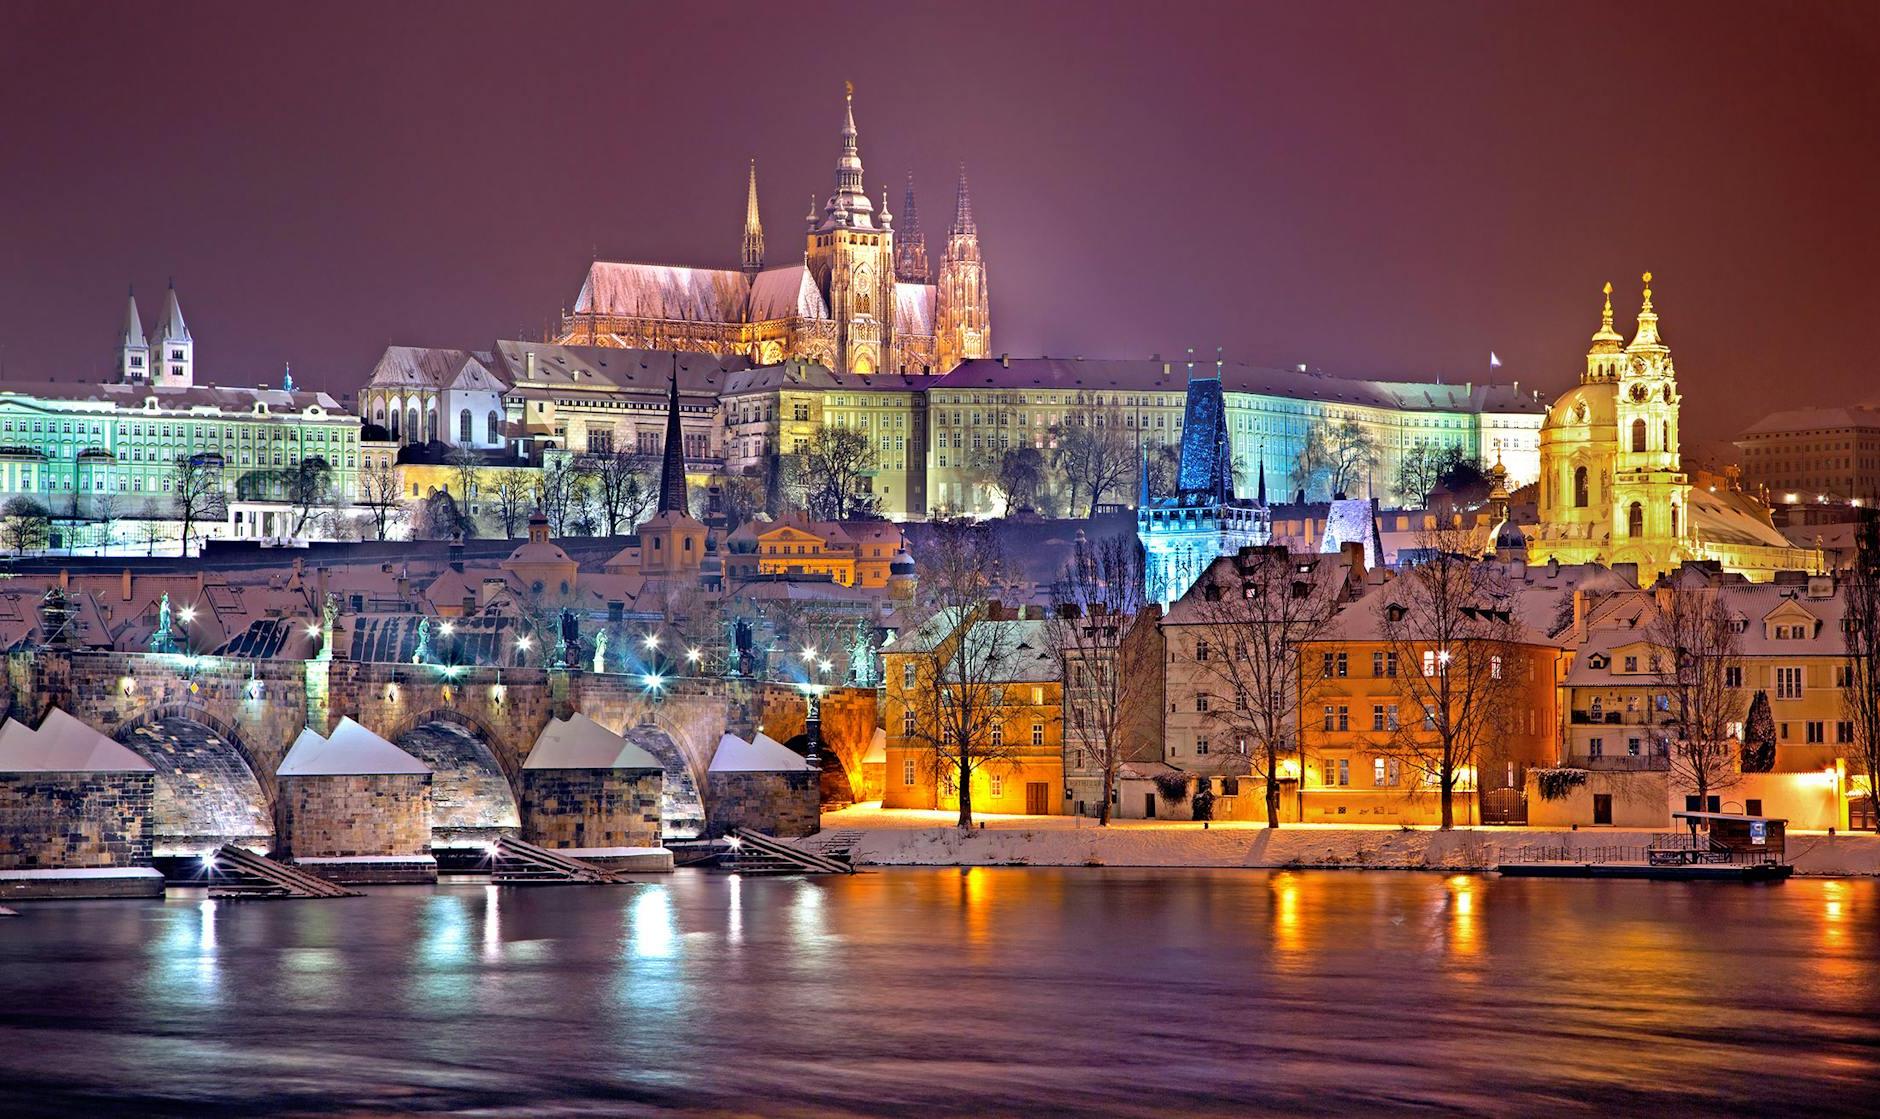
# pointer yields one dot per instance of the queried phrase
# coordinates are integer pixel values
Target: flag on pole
(1493, 361)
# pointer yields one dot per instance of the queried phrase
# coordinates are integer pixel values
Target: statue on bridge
(422, 653)
(600, 651)
(163, 639)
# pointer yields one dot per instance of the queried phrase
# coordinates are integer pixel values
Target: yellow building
(1612, 484)
(1023, 747)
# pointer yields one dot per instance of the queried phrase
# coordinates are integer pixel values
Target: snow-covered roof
(63, 744)
(579, 742)
(786, 293)
(913, 308)
(663, 291)
(763, 755)
(877, 748)
(351, 750)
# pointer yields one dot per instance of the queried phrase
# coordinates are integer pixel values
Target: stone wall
(782, 804)
(364, 814)
(66, 820)
(592, 807)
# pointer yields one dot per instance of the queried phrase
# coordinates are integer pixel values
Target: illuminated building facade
(1613, 489)
(858, 302)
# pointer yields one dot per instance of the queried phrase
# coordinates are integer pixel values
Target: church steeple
(172, 351)
(910, 245)
(963, 223)
(753, 229)
(672, 469)
(133, 351)
(849, 205)
(1607, 354)
(1647, 336)
(963, 314)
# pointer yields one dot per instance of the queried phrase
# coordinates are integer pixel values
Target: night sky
(1388, 189)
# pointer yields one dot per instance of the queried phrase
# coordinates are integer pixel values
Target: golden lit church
(859, 301)
(1612, 486)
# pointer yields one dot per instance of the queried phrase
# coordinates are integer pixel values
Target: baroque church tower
(1650, 489)
(851, 258)
(962, 326)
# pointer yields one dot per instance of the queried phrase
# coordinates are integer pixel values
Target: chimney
(1005, 360)
(528, 365)
(1354, 560)
(456, 552)
(1581, 605)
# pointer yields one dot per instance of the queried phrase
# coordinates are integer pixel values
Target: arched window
(378, 412)
(1674, 521)
(1579, 487)
(394, 428)
(412, 432)
(464, 434)
(1665, 435)
(1635, 520)
(1638, 436)
(430, 424)
(493, 425)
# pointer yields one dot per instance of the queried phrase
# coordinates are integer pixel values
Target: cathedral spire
(849, 205)
(1647, 336)
(133, 353)
(672, 468)
(753, 229)
(1262, 491)
(963, 223)
(910, 246)
(133, 323)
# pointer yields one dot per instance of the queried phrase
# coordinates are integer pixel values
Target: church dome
(1591, 405)
(901, 564)
(1510, 538)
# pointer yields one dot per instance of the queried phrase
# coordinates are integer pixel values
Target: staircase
(753, 852)
(833, 845)
(517, 862)
(236, 873)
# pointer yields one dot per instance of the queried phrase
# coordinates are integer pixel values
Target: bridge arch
(211, 787)
(473, 795)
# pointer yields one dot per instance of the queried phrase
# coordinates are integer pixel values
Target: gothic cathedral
(859, 302)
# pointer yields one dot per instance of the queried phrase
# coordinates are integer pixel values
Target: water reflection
(948, 992)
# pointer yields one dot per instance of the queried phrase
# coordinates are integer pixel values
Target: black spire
(672, 470)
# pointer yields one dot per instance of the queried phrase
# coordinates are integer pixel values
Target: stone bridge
(216, 729)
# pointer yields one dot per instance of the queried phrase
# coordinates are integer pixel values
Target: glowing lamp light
(126, 685)
(692, 655)
(735, 842)
(809, 652)
(824, 664)
(651, 641)
(653, 680)
(187, 613)
(450, 671)
(391, 693)
(524, 642)
(497, 692)
(447, 629)
(313, 630)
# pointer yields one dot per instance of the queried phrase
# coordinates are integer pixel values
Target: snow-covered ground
(906, 837)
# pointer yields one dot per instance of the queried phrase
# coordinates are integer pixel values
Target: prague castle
(1612, 485)
(859, 301)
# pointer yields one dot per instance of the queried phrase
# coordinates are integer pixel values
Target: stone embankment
(1061, 841)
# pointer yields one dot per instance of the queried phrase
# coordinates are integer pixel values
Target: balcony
(1622, 763)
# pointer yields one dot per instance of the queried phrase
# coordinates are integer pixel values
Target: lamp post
(812, 725)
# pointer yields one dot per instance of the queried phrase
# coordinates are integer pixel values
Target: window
(1789, 682)
(1384, 664)
(1037, 696)
(493, 427)
(1494, 667)
(1201, 745)
(1385, 772)
(1733, 676)
(1579, 487)
(1843, 676)
(1632, 747)
(1344, 717)
(1343, 666)
(1844, 731)
(907, 771)
(1037, 734)
(995, 783)
(998, 735)
(1429, 717)
(1201, 651)
(907, 674)
(1201, 702)
(1429, 662)
(907, 723)
(1635, 520)
(464, 432)
(1344, 771)
(1331, 716)
(1631, 664)
(1816, 731)
(1595, 747)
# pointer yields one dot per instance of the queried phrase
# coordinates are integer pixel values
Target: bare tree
(558, 493)
(832, 476)
(150, 527)
(1861, 633)
(1449, 623)
(107, 509)
(961, 658)
(1100, 634)
(308, 487)
(1162, 462)
(196, 493)
(624, 489)
(1096, 456)
(1017, 476)
(1695, 655)
(1253, 616)
(1337, 457)
(513, 494)
(25, 524)
(381, 494)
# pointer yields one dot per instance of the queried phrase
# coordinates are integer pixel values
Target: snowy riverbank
(894, 838)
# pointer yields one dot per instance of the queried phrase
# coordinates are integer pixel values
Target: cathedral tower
(1649, 487)
(963, 318)
(133, 356)
(172, 352)
(851, 257)
(910, 246)
(753, 230)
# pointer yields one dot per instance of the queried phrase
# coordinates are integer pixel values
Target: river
(936, 992)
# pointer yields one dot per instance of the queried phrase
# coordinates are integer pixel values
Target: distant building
(859, 301)
(1814, 456)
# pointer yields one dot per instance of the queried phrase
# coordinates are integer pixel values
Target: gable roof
(579, 742)
(63, 744)
(763, 755)
(351, 751)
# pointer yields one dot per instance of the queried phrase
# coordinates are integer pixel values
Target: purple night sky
(1388, 189)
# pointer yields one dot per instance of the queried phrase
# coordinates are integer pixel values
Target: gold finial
(1605, 316)
(848, 89)
(1648, 291)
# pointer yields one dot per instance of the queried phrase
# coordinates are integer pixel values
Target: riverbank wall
(1462, 850)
